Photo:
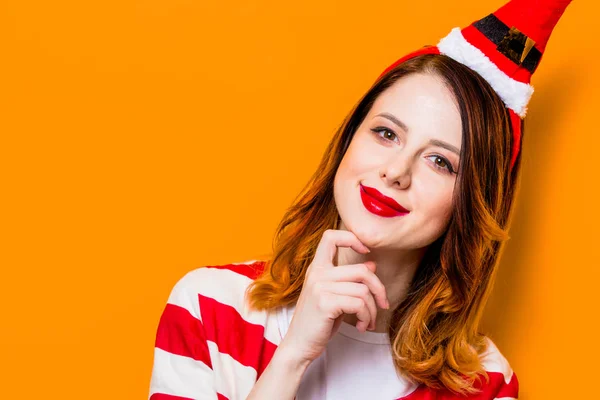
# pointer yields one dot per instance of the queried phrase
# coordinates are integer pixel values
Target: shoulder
(208, 277)
(213, 298)
(245, 271)
(217, 290)
(503, 379)
(502, 382)
(206, 336)
(222, 284)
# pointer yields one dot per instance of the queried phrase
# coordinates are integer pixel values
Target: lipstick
(380, 204)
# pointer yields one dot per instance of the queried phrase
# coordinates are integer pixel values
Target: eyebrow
(435, 142)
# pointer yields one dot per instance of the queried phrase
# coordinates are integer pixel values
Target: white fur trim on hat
(515, 94)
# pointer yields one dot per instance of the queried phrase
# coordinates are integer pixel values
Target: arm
(182, 366)
(283, 367)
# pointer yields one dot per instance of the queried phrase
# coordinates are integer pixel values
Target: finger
(350, 305)
(371, 265)
(355, 290)
(360, 273)
(331, 240)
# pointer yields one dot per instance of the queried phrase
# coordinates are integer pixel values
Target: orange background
(143, 139)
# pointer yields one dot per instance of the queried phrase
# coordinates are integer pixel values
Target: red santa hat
(505, 48)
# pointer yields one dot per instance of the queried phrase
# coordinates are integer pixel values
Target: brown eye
(384, 133)
(441, 163)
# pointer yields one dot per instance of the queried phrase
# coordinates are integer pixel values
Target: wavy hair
(434, 331)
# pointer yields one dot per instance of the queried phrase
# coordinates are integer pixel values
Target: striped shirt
(210, 345)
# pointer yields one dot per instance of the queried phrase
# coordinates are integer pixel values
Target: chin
(368, 233)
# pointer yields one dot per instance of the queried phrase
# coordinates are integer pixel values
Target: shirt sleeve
(503, 383)
(498, 388)
(508, 390)
(182, 367)
(502, 386)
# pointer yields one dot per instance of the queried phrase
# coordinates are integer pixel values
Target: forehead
(424, 104)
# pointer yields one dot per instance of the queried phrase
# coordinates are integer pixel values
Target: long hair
(434, 332)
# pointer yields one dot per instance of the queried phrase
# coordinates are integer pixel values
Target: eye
(388, 135)
(441, 163)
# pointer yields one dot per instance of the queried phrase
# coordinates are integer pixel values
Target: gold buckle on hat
(515, 45)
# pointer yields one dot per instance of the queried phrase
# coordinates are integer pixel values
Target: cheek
(436, 204)
(359, 158)
(348, 167)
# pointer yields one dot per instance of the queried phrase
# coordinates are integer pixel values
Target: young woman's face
(413, 161)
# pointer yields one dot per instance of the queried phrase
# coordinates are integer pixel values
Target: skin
(401, 164)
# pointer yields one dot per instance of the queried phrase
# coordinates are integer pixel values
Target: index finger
(331, 240)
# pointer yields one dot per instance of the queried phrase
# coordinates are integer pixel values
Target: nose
(397, 172)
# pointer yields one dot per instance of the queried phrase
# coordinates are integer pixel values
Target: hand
(328, 293)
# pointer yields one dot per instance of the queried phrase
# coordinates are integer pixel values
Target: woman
(398, 232)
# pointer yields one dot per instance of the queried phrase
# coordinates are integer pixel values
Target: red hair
(434, 332)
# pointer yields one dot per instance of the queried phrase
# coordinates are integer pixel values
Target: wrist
(286, 367)
(286, 358)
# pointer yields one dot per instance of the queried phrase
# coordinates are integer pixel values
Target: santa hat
(505, 48)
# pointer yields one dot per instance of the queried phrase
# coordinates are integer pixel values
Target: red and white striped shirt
(209, 345)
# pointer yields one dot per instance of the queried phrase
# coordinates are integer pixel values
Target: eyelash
(448, 167)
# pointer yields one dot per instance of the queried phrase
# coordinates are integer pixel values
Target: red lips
(388, 201)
